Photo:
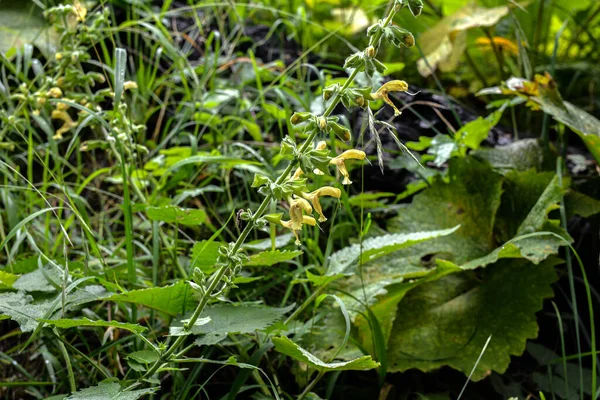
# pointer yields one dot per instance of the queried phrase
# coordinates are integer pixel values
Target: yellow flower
(339, 162)
(391, 86)
(296, 214)
(499, 42)
(306, 220)
(80, 10)
(313, 197)
(297, 174)
(55, 92)
(67, 125)
(128, 85)
(322, 145)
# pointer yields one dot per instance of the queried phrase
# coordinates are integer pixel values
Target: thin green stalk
(311, 385)
(65, 354)
(568, 261)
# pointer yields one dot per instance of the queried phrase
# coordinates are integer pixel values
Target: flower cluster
(302, 203)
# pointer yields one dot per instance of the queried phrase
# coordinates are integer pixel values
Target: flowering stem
(218, 275)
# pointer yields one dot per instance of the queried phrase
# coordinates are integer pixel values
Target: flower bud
(299, 117)
(322, 123)
(342, 132)
(415, 7)
(370, 52)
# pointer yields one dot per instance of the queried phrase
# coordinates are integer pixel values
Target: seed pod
(370, 52)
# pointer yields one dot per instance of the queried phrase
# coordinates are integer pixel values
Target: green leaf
(580, 204)
(109, 391)
(266, 244)
(269, 258)
(547, 202)
(7, 280)
(285, 346)
(143, 356)
(520, 155)
(447, 322)
(341, 262)
(39, 281)
(473, 133)
(22, 22)
(174, 214)
(173, 299)
(22, 309)
(228, 318)
(470, 200)
(585, 125)
(75, 323)
(205, 254)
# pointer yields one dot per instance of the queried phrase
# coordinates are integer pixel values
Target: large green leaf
(173, 299)
(520, 155)
(221, 319)
(75, 323)
(447, 322)
(174, 214)
(22, 22)
(109, 391)
(344, 261)
(470, 200)
(285, 346)
(585, 125)
(21, 308)
(7, 279)
(269, 258)
(40, 280)
(204, 255)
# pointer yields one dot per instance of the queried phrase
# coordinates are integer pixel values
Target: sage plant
(305, 160)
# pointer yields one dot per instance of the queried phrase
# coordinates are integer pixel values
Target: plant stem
(311, 385)
(65, 354)
(223, 269)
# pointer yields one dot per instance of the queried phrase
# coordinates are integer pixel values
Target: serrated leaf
(174, 214)
(7, 279)
(269, 258)
(285, 346)
(227, 318)
(109, 391)
(205, 254)
(75, 323)
(266, 244)
(22, 309)
(173, 299)
(376, 247)
(447, 322)
(38, 281)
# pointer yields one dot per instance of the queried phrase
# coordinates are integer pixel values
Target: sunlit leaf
(109, 391)
(173, 299)
(74, 323)
(285, 346)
